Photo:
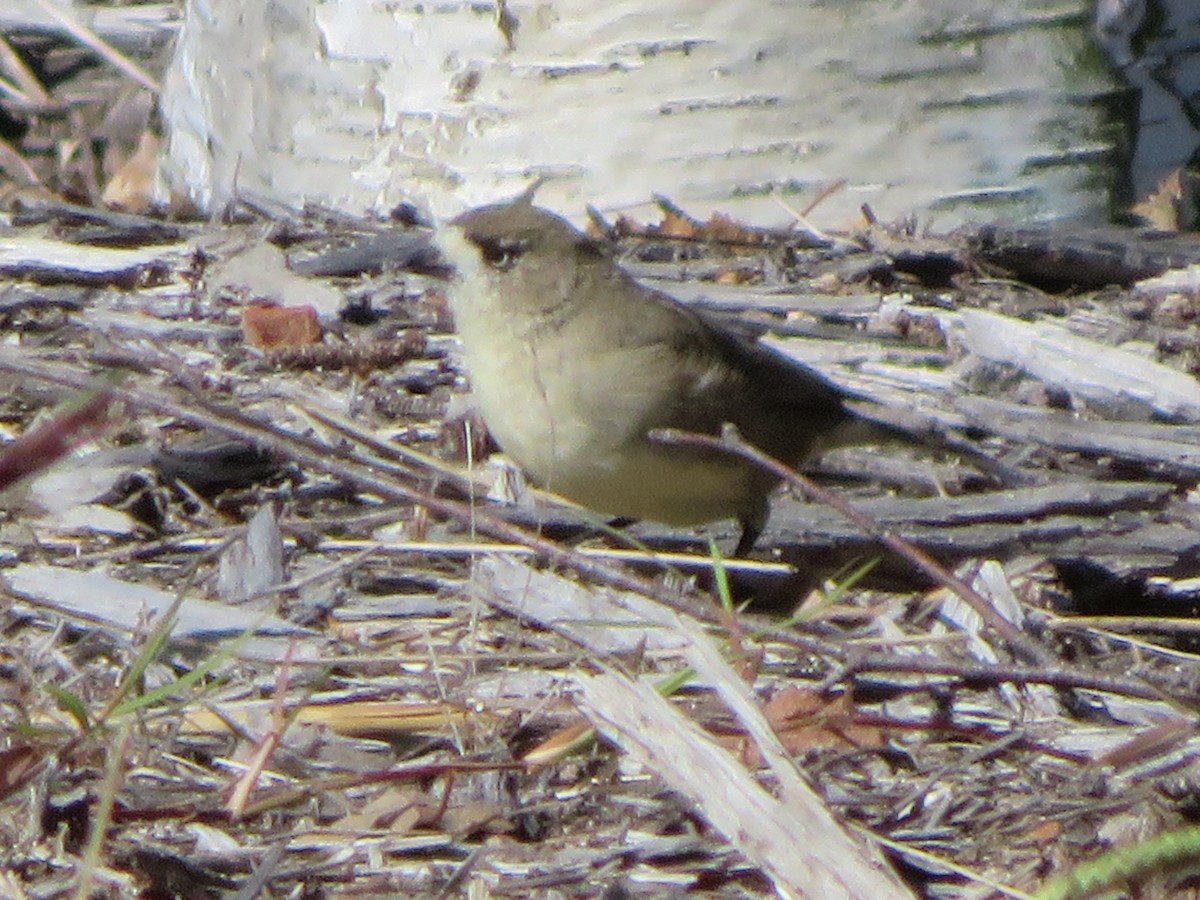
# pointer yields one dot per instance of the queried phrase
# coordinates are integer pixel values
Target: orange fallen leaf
(804, 720)
(1045, 832)
(1162, 207)
(723, 227)
(736, 276)
(265, 325)
(627, 227)
(673, 225)
(132, 186)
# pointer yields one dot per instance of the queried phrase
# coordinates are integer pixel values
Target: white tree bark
(971, 108)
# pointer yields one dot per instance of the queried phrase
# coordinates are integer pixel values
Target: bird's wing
(774, 377)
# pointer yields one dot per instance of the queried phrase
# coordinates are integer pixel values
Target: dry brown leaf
(804, 720)
(736, 275)
(676, 226)
(132, 186)
(16, 763)
(1045, 832)
(625, 226)
(794, 703)
(723, 227)
(1161, 208)
(267, 325)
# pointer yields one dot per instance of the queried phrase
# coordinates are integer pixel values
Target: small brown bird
(572, 362)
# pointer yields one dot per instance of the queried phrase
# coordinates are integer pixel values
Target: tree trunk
(969, 109)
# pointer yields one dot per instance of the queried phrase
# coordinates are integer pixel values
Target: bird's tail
(871, 423)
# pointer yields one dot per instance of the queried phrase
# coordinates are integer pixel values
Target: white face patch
(472, 277)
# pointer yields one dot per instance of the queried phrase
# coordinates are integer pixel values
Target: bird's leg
(752, 527)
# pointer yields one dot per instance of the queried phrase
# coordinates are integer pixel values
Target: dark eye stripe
(500, 253)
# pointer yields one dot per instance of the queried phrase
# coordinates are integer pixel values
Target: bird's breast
(576, 421)
(539, 395)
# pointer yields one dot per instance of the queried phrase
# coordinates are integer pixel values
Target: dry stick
(96, 44)
(596, 220)
(323, 458)
(15, 162)
(991, 674)
(26, 82)
(822, 195)
(671, 208)
(729, 442)
(10, 90)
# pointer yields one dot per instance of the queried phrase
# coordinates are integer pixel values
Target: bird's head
(526, 256)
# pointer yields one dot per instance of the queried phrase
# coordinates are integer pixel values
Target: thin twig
(920, 560)
(100, 47)
(995, 673)
(822, 195)
(15, 163)
(27, 87)
(339, 463)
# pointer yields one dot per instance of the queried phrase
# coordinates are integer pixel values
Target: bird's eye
(502, 254)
